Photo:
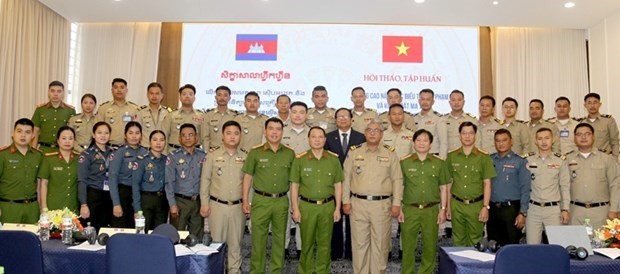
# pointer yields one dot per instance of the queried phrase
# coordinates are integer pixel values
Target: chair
(139, 253)
(20, 252)
(532, 259)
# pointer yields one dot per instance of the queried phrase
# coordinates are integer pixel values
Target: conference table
(57, 258)
(449, 263)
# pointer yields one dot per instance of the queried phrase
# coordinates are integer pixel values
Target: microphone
(102, 239)
(206, 239)
(190, 240)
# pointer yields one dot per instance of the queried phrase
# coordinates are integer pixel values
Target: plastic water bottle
(67, 228)
(91, 234)
(589, 228)
(44, 225)
(140, 223)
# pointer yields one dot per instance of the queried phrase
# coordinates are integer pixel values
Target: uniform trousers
(189, 217)
(26, 213)
(597, 215)
(537, 218)
(126, 198)
(316, 229)
(266, 211)
(226, 223)
(288, 229)
(501, 224)
(371, 229)
(341, 238)
(100, 207)
(419, 220)
(466, 229)
(155, 209)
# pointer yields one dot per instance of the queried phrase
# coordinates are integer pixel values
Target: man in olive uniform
(221, 185)
(550, 196)
(153, 114)
(425, 198)
(118, 112)
(594, 188)
(321, 115)
(518, 129)
(49, 117)
(283, 104)
(183, 170)
(395, 96)
(252, 122)
(471, 170)
(536, 122)
(216, 117)
(565, 126)
(397, 135)
(604, 125)
(487, 123)
(372, 193)
(267, 170)
(361, 115)
(187, 114)
(316, 192)
(431, 120)
(455, 117)
(19, 165)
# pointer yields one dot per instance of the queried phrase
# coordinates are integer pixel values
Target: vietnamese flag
(402, 49)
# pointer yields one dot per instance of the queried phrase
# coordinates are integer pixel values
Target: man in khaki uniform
(536, 122)
(49, 117)
(565, 125)
(186, 114)
(361, 115)
(283, 104)
(517, 128)
(221, 192)
(604, 125)
(431, 120)
(398, 136)
(594, 188)
(216, 117)
(395, 96)
(321, 115)
(454, 119)
(252, 123)
(550, 184)
(118, 112)
(487, 124)
(373, 191)
(153, 114)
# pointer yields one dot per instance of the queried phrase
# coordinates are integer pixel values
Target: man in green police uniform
(316, 179)
(267, 169)
(19, 165)
(49, 117)
(425, 178)
(471, 170)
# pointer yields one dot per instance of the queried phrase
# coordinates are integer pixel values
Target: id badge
(564, 133)
(106, 186)
(126, 118)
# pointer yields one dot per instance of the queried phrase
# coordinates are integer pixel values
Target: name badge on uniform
(382, 159)
(57, 168)
(219, 159)
(323, 125)
(263, 160)
(219, 171)
(239, 160)
(126, 117)
(106, 185)
(564, 133)
(308, 169)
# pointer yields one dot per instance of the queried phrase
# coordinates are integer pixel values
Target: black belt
(23, 201)
(589, 205)
(370, 197)
(422, 206)
(271, 195)
(544, 204)
(318, 202)
(191, 198)
(126, 187)
(52, 145)
(153, 193)
(468, 201)
(506, 203)
(225, 202)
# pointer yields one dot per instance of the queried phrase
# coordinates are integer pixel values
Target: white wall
(604, 52)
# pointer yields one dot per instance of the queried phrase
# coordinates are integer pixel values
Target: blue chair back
(532, 259)
(140, 253)
(20, 252)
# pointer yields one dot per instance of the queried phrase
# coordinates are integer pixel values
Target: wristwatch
(524, 214)
(488, 207)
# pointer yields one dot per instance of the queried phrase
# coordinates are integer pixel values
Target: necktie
(345, 142)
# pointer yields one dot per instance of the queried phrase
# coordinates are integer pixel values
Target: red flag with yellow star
(402, 49)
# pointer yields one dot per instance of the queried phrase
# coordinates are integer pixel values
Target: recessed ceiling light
(419, 1)
(495, 3)
(569, 5)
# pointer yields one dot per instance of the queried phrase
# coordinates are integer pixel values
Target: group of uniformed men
(347, 172)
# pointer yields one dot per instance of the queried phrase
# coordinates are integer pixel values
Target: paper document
(199, 249)
(88, 247)
(474, 255)
(611, 253)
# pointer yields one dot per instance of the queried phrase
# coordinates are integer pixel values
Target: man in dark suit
(339, 141)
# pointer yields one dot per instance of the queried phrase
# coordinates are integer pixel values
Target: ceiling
(524, 13)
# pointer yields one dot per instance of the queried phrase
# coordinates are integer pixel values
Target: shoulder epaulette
(67, 105)
(287, 146)
(606, 115)
(168, 109)
(205, 110)
(213, 149)
(454, 150)
(234, 111)
(51, 153)
(243, 150)
(405, 157)
(383, 112)
(602, 150)
(3, 148)
(370, 109)
(582, 119)
(106, 102)
(436, 113)
(483, 151)
(143, 107)
(140, 157)
(551, 120)
(390, 148)
(569, 152)
(257, 146)
(520, 121)
(472, 116)
(301, 154)
(525, 155)
(132, 103)
(437, 156)
(355, 147)
(175, 109)
(575, 118)
(332, 153)
(77, 114)
(501, 122)
(42, 104)
(407, 112)
(563, 157)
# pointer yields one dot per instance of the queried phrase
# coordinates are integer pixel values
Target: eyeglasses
(373, 130)
(585, 134)
(343, 117)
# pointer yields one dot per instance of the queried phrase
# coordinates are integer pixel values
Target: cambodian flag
(257, 47)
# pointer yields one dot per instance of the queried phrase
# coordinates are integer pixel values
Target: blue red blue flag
(257, 47)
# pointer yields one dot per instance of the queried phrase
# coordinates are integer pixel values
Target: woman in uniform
(83, 122)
